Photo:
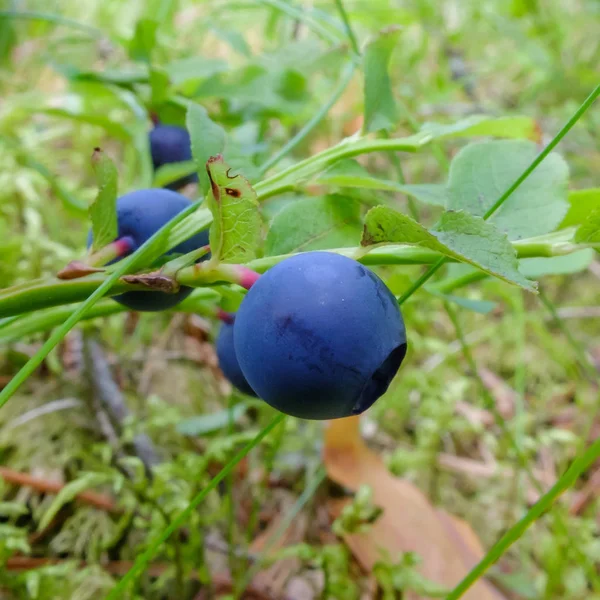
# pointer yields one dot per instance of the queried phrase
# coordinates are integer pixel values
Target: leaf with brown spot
(447, 546)
(235, 233)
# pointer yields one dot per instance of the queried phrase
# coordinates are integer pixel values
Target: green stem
(579, 466)
(318, 117)
(45, 293)
(289, 178)
(22, 326)
(143, 559)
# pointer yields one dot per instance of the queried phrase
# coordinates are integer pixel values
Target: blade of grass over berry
(122, 268)
(142, 561)
(318, 117)
(577, 468)
(540, 157)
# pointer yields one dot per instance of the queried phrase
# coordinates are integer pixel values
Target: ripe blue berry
(228, 361)
(171, 144)
(141, 214)
(319, 336)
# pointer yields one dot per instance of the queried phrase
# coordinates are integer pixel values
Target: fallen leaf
(447, 546)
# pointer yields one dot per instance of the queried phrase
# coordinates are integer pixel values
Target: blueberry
(171, 144)
(140, 214)
(319, 336)
(228, 361)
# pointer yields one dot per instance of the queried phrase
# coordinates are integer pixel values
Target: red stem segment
(116, 249)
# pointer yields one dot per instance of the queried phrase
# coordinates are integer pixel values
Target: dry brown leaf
(447, 546)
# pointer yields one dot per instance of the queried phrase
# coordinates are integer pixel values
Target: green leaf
(103, 210)
(144, 40)
(533, 268)
(349, 173)
(458, 235)
(589, 230)
(203, 424)
(235, 233)
(482, 172)
(315, 224)
(69, 492)
(474, 125)
(208, 139)
(582, 203)
(380, 106)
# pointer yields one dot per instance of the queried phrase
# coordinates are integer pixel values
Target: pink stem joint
(247, 277)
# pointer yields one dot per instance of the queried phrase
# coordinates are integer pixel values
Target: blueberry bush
(333, 331)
